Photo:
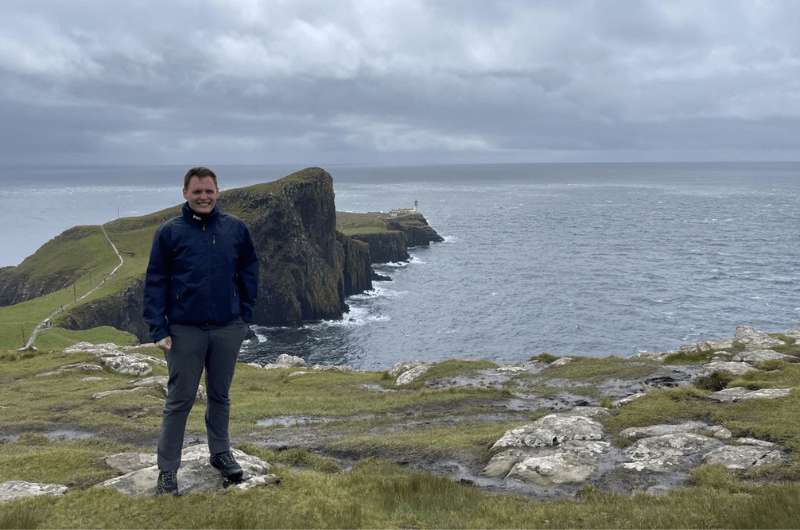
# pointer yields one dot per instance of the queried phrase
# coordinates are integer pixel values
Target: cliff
(389, 236)
(307, 267)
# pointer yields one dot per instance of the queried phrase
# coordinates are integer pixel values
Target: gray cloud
(398, 81)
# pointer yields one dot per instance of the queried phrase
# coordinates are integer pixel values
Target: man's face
(201, 194)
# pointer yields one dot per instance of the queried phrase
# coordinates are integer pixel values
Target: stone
(754, 441)
(410, 375)
(17, 489)
(402, 366)
(74, 367)
(92, 379)
(561, 361)
(739, 393)
(757, 356)
(754, 339)
(127, 462)
(114, 358)
(743, 456)
(333, 367)
(106, 393)
(628, 399)
(287, 360)
(194, 475)
(665, 453)
(735, 368)
(698, 427)
(550, 431)
(559, 468)
(589, 412)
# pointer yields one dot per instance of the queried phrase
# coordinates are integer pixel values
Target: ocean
(571, 259)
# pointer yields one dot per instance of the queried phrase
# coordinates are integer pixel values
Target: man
(199, 294)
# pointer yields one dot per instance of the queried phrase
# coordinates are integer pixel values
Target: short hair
(199, 172)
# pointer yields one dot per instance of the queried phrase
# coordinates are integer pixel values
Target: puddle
(290, 421)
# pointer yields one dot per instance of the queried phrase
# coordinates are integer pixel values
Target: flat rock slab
(758, 356)
(114, 358)
(668, 452)
(18, 489)
(697, 427)
(743, 456)
(194, 475)
(551, 430)
(127, 462)
(739, 393)
(735, 368)
(754, 339)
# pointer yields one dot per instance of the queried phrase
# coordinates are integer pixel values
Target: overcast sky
(398, 82)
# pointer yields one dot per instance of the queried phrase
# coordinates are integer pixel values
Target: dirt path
(44, 323)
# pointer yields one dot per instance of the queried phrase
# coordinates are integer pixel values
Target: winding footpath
(44, 323)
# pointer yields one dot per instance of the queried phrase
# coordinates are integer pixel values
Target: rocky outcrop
(415, 227)
(356, 260)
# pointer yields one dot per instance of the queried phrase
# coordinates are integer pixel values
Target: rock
(739, 393)
(655, 356)
(106, 393)
(698, 427)
(665, 453)
(376, 388)
(402, 366)
(287, 360)
(561, 361)
(550, 431)
(17, 489)
(113, 358)
(410, 375)
(660, 430)
(127, 462)
(559, 468)
(194, 475)
(757, 356)
(754, 441)
(295, 374)
(92, 379)
(74, 367)
(743, 456)
(628, 399)
(333, 367)
(754, 339)
(735, 368)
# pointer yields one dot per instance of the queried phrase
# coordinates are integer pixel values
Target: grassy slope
(315, 493)
(350, 223)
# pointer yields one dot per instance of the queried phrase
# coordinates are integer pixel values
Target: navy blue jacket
(202, 270)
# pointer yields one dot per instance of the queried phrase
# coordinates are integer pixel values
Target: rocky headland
(309, 262)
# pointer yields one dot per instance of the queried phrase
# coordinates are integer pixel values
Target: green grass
(56, 339)
(592, 369)
(350, 223)
(450, 368)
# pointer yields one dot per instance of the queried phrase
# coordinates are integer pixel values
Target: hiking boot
(227, 465)
(167, 483)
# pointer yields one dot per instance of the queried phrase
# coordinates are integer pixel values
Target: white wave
(450, 239)
(379, 291)
(261, 338)
(394, 264)
(415, 260)
(356, 317)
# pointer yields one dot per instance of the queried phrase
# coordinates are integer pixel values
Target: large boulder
(668, 452)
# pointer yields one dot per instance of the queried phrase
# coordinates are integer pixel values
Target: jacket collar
(197, 218)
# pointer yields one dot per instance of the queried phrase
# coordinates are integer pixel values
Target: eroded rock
(743, 456)
(739, 393)
(668, 452)
(698, 427)
(17, 489)
(754, 339)
(549, 431)
(735, 368)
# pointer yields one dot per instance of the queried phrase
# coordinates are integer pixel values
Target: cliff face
(385, 247)
(306, 267)
(416, 229)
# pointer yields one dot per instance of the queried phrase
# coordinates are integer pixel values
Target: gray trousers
(216, 349)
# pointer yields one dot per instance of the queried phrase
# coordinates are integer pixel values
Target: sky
(398, 82)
